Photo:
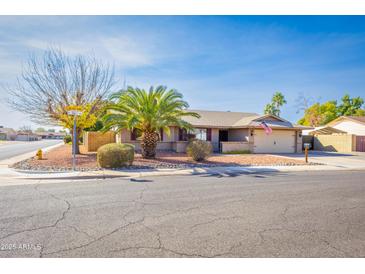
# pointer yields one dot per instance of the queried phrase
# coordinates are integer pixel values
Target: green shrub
(115, 155)
(67, 139)
(237, 152)
(199, 150)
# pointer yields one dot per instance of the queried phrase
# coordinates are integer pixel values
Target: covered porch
(234, 140)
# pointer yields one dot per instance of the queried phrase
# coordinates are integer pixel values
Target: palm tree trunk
(149, 144)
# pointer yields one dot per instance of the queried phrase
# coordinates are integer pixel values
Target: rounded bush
(199, 150)
(115, 155)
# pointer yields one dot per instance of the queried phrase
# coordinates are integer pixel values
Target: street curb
(137, 173)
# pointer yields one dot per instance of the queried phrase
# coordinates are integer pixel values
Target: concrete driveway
(303, 214)
(354, 160)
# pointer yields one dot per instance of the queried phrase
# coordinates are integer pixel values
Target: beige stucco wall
(124, 136)
(162, 146)
(299, 141)
(339, 143)
(215, 139)
(351, 127)
(235, 146)
(94, 140)
(179, 146)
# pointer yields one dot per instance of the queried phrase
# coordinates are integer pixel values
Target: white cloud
(122, 50)
(126, 51)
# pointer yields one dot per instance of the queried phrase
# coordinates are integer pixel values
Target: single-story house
(27, 136)
(7, 133)
(230, 131)
(344, 134)
(51, 135)
(350, 124)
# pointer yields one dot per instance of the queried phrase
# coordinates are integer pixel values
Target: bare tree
(303, 102)
(54, 82)
(26, 129)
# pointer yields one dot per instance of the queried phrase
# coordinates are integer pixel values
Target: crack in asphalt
(139, 205)
(80, 231)
(193, 227)
(124, 217)
(58, 220)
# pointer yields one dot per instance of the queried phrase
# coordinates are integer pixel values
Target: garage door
(279, 141)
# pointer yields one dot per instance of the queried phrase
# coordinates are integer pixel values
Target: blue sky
(218, 62)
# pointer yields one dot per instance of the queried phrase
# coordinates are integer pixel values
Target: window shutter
(161, 134)
(209, 134)
(133, 135)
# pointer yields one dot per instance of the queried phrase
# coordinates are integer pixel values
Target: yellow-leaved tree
(86, 119)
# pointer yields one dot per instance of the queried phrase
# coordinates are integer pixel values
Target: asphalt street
(18, 148)
(303, 214)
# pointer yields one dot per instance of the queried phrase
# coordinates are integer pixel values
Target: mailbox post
(306, 147)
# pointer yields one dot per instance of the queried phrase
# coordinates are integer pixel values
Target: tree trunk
(149, 144)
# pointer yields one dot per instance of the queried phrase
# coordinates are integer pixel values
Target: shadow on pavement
(265, 173)
(140, 180)
(86, 177)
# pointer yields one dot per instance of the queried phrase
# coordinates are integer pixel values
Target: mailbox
(307, 145)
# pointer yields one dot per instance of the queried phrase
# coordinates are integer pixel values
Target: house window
(200, 133)
(183, 135)
(204, 134)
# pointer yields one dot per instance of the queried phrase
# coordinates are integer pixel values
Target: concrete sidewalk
(31, 177)
(328, 162)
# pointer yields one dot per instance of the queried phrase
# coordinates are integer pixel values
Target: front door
(223, 137)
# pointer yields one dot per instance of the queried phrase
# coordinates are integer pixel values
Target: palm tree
(147, 112)
(278, 100)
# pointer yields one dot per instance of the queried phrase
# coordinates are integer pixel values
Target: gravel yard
(60, 159)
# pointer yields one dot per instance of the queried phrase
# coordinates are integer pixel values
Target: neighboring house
(7, 134)
(344, 134)
(27, 136)
(230, 131)
(350, 124)
(51, 135)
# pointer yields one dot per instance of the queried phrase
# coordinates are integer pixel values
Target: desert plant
(115, 155)
(199, 150)
(147, 112)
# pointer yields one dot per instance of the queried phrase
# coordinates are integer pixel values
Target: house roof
(220, 118)
(357, 119)
(324, 130)
(228, 119)
(47, 133)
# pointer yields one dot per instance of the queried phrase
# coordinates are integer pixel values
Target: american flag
(267, 129)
